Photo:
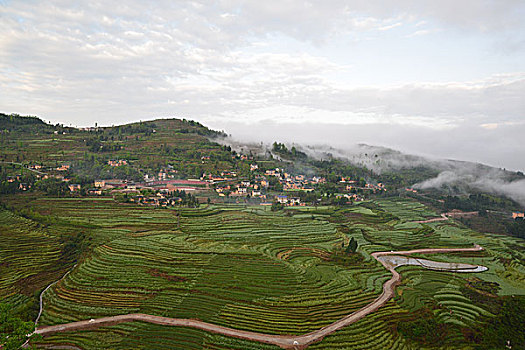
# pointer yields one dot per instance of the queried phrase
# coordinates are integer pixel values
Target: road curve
(443, 217)
(283, 341)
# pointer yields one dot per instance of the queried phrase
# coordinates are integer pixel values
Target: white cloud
(92, 61)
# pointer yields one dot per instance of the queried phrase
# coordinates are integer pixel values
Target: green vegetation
(292, 153)
(148, 146)
(274, 269)
(13, 331)
(475, 202)
(249, 268)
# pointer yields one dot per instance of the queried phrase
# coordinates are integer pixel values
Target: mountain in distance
(451, 177)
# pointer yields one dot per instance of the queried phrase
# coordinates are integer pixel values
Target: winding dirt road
(443, 217)
(283, 341)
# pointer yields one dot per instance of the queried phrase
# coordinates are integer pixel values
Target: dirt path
(283, 341)
(45, 290)
(443, 217)
(41, 301)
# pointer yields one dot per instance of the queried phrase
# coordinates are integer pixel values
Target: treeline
(9, 184)
(96, 145)
(517, 228)
(92, 168)
(477, 202)
(200, 129)
(52, 186)
(406, 177)
(131, 129)
(187, 199)
(283, 151)
(333, 169)
(16, 122)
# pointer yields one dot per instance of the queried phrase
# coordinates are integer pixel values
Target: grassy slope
(174, 141)
(237, 267)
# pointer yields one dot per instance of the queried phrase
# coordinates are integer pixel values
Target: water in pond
(398, 260)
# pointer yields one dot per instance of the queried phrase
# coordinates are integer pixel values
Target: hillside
(170, 220)
(147, 146)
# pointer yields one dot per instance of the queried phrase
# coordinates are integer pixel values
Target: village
(165, 187)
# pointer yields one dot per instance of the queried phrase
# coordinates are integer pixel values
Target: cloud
(475, 178)
(291, 61)
(501, 147)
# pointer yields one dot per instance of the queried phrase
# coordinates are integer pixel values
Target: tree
(13, 331)
(352, 246)
(277, 206)
(53, 186)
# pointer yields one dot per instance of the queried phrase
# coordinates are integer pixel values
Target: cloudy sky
(441, 78)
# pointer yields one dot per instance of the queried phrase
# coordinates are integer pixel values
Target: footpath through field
(283, 341)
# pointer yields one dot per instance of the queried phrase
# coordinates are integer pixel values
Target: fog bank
(500, 146)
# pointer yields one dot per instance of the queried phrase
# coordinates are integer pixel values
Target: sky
(437, 78)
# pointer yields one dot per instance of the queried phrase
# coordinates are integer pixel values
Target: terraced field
(31, 257)
(252, 269)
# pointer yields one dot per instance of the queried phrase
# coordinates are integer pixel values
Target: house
(117, 162)
(294, 201)
(64, 167)
(109, 184)
(100, 183)
(74, 187)
(516, 215)
(95, 191)
(282, 199)
(229, 173)
(316, 179)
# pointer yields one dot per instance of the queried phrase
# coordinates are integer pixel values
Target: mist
(465, 179)
(454, 176)
(500, 147)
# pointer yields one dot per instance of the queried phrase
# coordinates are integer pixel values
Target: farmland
(250, 269)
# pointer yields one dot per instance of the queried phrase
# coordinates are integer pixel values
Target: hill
(169, 218)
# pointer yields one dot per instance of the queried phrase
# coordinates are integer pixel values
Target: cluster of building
(161, 189)
(158, 185)
(288, 201)
(241, 189)
(117, 162)
(227, 185)
(158, 200)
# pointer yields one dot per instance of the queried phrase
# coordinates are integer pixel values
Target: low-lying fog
(422, 148)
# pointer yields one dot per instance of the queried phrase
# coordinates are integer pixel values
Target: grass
(248, 268)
